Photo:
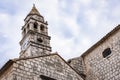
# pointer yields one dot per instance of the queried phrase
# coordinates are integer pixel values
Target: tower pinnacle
(34, 11)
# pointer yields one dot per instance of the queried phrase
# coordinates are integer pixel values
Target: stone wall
(30, 46)
(51, 66)
(104, 68)
(78, 65)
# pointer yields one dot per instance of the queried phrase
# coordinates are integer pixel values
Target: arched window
(35, 25)
(28, 26)
(106, 52)
(42, 27)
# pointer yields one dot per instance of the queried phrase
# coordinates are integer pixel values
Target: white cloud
(92, 17)
(72, 25)
(86, 2)
(60, 15)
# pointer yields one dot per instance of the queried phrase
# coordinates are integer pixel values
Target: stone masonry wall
(51, 66)
(77, 64)
(108, 68)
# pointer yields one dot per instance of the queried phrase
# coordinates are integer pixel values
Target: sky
(74, 25)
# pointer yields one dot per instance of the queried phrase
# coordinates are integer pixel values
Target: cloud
(74, 25)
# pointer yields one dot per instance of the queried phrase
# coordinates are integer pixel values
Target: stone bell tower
(35, 40)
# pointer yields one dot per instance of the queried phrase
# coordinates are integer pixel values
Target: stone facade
(108, 68)
(52, 66)
(78, 65)
(99, 65)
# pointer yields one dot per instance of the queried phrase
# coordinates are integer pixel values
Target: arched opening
(35, 25)
(42, 27)
(106, 52)
(28, 26)
(43, 77)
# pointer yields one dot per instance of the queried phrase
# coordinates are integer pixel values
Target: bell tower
(35, 40)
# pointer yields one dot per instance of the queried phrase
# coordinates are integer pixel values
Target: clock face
(25, 43)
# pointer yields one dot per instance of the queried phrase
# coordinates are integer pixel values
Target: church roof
(34, 10)
(117, 28)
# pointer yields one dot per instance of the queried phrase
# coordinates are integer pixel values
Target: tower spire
(33, 5)
(34, 10)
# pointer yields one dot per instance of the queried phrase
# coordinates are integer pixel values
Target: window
(35, 25)
(40, 40)
(46, 78)
(28, 26)
(42, 27)
(69, 61)
(106, 52)
(24, 31)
